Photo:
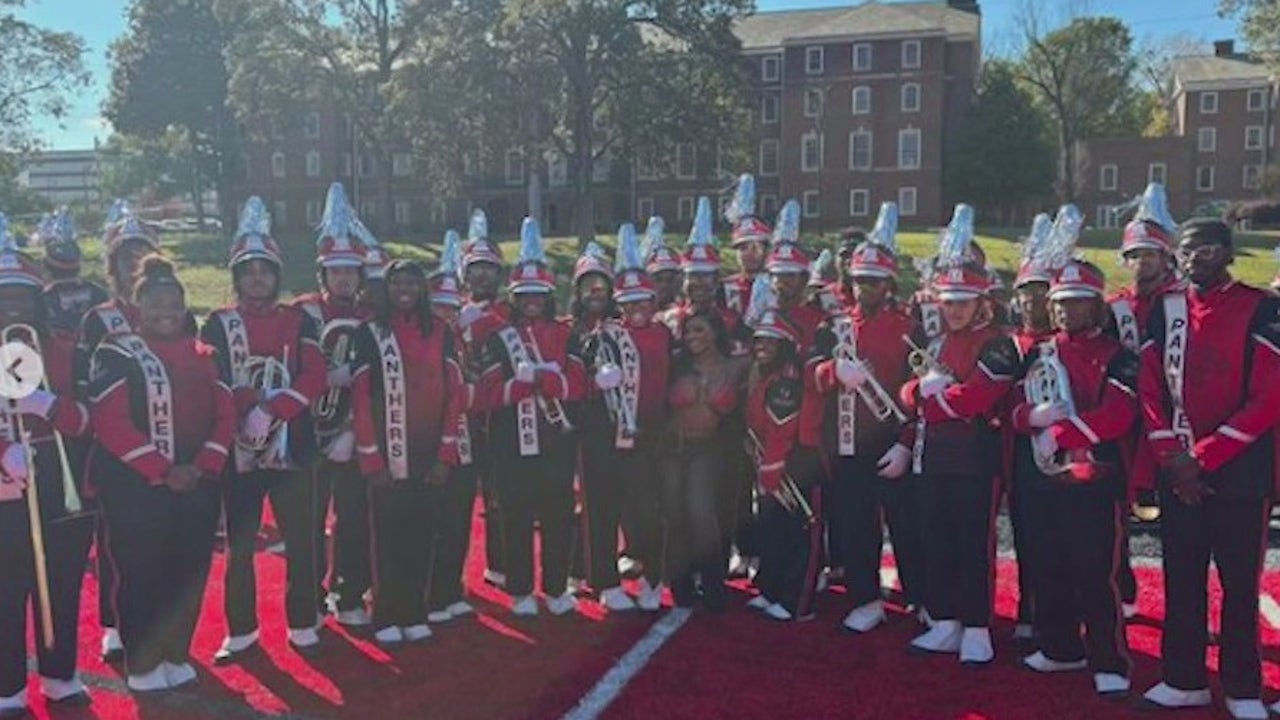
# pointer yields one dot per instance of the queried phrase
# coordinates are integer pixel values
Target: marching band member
(1210, 393)
(336, 311)
(854, 351)
(821, 279)
(67, 296)
(375, 271)
(63, 534)
(163, 419)
(592, 301)
(952, 448)
(407, 397)
(269, 354)
(622, 415)
(788, 473)
(788, 270)
(531, 371)
(701, 265)
(750, 243)
(662, 265)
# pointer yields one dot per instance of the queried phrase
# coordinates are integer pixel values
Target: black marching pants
(790, 545)
(693, 474)
(537, 489)
(1025, 544)
(294, 503)
(956, 522)
(861, 500)
(451, 509)
(349, 573)
(485, 468)
(617, 483)
(161, 545)
(401, 552)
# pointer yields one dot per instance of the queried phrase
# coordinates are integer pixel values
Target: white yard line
(610, 686)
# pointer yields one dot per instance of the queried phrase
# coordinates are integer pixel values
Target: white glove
(257, 425)
(1044, 445)
(468, 315)
(893, 464)
(1046, 414)
(14, 464)
(38, 403)
(933, 383)
(525, 372)
(850, 373)
(552, 366)
(343, 447)
(608, 376)
(340, 376)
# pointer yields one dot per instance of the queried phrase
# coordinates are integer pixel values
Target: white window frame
(439, 210)
(859, 202)
(313, 164)
(1200, 187)
(1105, 217)
(804, 160)
(311, 125)
(1261, 103)
(862, 65)
(278, 167)
(853, 144)
(684, 207)
(1164, 173)
(865, 92)
(907, 208)
(644, 207)
(770, 109)
(812, 102)
(279, 214)
(907, 46)
(402, 164)
(812, 53)
(646, 168)
(365, 166)
(903, 93)
(1103, 171)
(807, 197)
(1207, 139)
(1257, 177)
(770, 61)
(1209, 102)
(513, 166)
(315, 211)
(681, 150)
(902, 135)
(777, 158)
(1253, 145)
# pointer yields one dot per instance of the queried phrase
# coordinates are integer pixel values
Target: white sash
(629, 359)
(159, 393)
(6, 423)
(733, 296)
(527, 409)
(113, 320)
(237, 346)
(846, 399)
(931, 319)
(828, 301)
(316, 313)
(1126, 324)
(1176, 332)
(917, 451)
(394, 408)
(464, 440)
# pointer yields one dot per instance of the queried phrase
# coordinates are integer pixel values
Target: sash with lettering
(629, 390)
(159, 392)
(828, 301)
(527, 409)
(917, 451)
(394, 408)
(733, 296)
(1126, 324)
(237, 346)
(846, 399)
(931, 319)
(1175, 361)
(115, 323)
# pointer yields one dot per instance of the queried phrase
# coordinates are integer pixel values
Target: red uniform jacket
(1024, 341)
(499, 391)
(1231, 385)
(114, 316)
(806, 318)
(737, 292)
(432, 393)
(202, 413)
(773, 416)
(653, 345)
(494, 314)
(66, 302)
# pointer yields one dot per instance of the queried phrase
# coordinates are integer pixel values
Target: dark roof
(774, 29)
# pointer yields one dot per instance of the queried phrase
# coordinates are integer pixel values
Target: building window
(1157, 172)
(1257, 100)
(911, 97)
(368, 210)
(513, 171)
(860, 150)
(859, 202)
(910, 54)
(769, 68)
(907, 201)
(557, 170)
(1105, 217)
(810, 152)
(347, 128)
(646, 168)
(909, 149)
(769, 205)
(1208, 103)
(314, 212)
(813, 61)
(686, 161)
(279, 214)
(1108, 177)
(313, 164)
(1207, 139)
(311, 125)
(768, 109)
(438, 211)
(684, 208)
(403, 212)
(644, 207)
(277, 164)
(1252, 177)
(861, 100)
(1204, 178)
(366, 166)
(862, 57)
(812, 102)
(401, 164)
(769, 156)
(1253, 137)
(812, 203)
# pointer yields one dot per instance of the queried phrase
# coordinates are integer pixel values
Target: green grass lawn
(201, 259)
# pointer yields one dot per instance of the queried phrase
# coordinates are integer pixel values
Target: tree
(163, 166)
(15, 200)
(1083, 74)
(1259, 25)
(1004, 121)
(169, 91)
(1155, 78)
(40, 70)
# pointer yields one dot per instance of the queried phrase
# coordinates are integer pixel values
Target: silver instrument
(1047, 382)
(623, 413)
(267, 374)
(871, 392)
(789, 495)
(332, 409)
(552, 409)
(922, 362)
(28, 336)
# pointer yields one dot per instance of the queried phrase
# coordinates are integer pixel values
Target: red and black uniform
(66, 540)
(1229, 372)
(490, 315)
(157, 404)
(736, 291)
(617, 470)
(66, 302)
(533, 458)
(807, 319)
(350, 575)
(271, 330)
(833, 298)
(853, 441)
(956, 453)
(790, 543)
(1077, 517)
(408, 395)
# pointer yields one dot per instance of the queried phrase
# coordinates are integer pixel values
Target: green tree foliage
(40, 71)
(1259, 25)
(160, 167)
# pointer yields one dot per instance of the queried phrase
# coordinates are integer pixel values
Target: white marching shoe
(439, 616)
(865, 618)
(524, 606)
(615, 599)
(459, 609)
(234, 645)
(777, 612)
(63, 690)
(943, 637)
(179, 674)
(304, 638)
(389, 635)
(14, 705)
(975, 646)
(563, 604)
(650, 597)
(759, 603)
(417, 633)
(112, 647)
(1040, 662)
(1167, 696)
(153, 681)
(495, 578)
(358, 617)
(1110, 684)
(1246, 708)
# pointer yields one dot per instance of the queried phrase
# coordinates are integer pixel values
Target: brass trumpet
(789, 495)
(623, 414)
(922, 362)
(552, 409)
(871, 392)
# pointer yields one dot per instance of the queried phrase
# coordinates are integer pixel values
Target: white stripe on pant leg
(608, 688)
(1270, 609)
(889, 578)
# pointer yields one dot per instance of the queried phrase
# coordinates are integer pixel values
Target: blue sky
(100, 21)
